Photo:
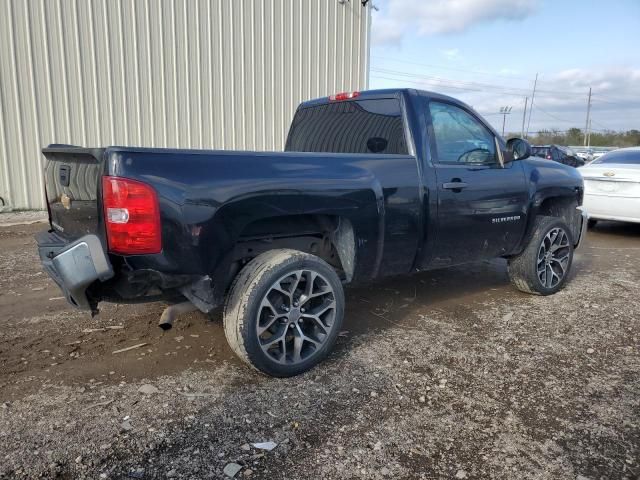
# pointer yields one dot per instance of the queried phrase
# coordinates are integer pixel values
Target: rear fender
(362, 209)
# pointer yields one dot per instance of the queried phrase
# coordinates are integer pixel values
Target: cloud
(451, 53)
(508, 71)
(561, 99)
(430, 17)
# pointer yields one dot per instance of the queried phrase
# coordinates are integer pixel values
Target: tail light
(548, 157)
(339, 97)
(132, 216)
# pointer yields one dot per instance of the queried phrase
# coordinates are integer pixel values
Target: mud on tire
(283, 312)
(544, 265)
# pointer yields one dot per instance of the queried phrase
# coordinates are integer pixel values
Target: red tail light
(338, 97)
(132, 216)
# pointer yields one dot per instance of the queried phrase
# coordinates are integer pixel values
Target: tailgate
(72, 178)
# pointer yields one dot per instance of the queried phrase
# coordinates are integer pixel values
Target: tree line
(575, 136)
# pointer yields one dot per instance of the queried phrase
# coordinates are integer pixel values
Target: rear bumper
(609, 207)
(74, 266)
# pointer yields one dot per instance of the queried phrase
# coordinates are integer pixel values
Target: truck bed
(209, 199)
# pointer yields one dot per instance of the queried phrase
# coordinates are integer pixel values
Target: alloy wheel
(296, 317)
(553, 257)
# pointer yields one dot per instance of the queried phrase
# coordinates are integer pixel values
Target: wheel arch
(553, 204)
(330, 237)
(566, 208)
(339, 240)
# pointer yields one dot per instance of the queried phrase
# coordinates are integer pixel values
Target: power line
(612, 98)
(443, 79)
(422, 83)
(447, 82)
(521, 91)
(603, 126)
(588, 122)
(524, 115)
(533, 96)
(517, 91)
(457, 69)
(422, 80)
(553, 116)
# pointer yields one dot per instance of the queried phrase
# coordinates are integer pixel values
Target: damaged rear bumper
(86, 275)
(74, 266)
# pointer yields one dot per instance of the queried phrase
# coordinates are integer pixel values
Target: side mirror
(517, 149)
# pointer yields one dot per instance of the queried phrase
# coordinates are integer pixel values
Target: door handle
(454, 185)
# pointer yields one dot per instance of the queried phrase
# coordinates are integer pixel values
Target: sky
(487, 54)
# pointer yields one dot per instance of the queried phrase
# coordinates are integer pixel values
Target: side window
(459, 137)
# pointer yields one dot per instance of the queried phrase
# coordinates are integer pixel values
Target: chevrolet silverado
(370, 184)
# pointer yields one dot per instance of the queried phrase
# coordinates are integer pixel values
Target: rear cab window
(369, 126)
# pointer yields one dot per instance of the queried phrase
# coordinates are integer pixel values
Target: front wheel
(284, 312)
(543, 266)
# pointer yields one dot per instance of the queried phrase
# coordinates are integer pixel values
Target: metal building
(177, 73)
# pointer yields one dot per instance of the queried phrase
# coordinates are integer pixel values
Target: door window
(460, 137)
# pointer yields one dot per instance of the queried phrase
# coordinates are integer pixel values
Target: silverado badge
(609, 174)
(65, 200)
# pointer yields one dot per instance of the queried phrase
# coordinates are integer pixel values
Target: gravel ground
(445, 374)
(12, 219)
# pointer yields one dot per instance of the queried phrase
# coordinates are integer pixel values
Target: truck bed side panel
(208, 197)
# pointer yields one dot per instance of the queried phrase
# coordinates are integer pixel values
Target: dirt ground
(444, 374)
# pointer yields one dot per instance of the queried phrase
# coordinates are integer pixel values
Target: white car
(612, 186)
(586, 155)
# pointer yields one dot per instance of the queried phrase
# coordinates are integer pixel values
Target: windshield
(625, 157)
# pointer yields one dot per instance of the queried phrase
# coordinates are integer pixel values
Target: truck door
(481, 204)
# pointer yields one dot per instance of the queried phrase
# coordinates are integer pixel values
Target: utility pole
(524, 115)
(587, 125)
(533, 95)
(589, 136)
(505, 111)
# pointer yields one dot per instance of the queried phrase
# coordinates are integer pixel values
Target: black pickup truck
(371, 184)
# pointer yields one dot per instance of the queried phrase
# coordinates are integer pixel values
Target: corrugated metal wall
(170, 73)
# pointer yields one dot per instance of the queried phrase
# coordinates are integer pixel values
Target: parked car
(558, 154)
(586, 155)
(612, 186)
(600, 151)
(370, 184)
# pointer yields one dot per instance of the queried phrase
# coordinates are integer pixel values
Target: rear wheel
(284, 312)
(544, 265)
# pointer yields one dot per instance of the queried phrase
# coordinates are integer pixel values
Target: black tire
(258, 298)
(591, 223)
(524, 269)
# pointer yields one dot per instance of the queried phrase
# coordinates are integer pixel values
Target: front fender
(553, 189)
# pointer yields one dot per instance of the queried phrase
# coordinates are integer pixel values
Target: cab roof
(383, 93)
